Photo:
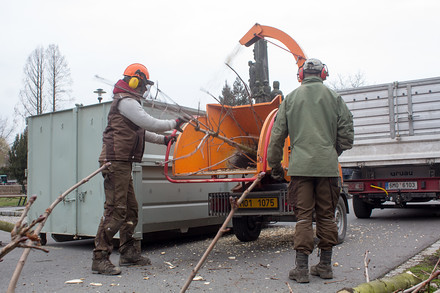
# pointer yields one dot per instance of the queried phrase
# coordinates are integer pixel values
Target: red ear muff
(324, 72)
(300, 74)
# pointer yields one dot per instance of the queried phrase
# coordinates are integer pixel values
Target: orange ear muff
(133, 83)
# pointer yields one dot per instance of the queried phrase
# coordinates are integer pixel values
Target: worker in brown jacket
(320, 127)
(128, 127)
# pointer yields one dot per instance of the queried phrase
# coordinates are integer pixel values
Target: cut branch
(33, 237)
(228, 141)
(366, 262)
(234, 206)
(19, 231)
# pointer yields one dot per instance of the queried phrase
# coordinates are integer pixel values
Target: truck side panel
(395, 124)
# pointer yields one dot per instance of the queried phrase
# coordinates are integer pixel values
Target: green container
(64, 147)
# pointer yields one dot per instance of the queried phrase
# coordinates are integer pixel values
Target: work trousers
(319, 195)
(120, 207)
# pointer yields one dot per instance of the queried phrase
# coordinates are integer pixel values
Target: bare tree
(31, 96)
(4, 151)
(44, 65)
(350, 81)
(58, 77)
(5, 128)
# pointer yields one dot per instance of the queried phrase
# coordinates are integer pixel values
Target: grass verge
(424, 269)
(9, 202)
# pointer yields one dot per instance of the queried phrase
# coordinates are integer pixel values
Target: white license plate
(401, 185)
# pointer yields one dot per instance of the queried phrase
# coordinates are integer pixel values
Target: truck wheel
(246, 228)
(341, 219)
(362, 210)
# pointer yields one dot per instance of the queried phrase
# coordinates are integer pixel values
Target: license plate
(401, 185)
(258, 203)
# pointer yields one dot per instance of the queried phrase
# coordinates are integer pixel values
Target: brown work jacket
(122, 139)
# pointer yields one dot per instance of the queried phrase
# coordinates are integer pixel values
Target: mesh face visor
(144, 79)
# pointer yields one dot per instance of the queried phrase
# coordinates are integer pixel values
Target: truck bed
(395, 124)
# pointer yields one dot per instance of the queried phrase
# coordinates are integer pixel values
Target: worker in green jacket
(320, 127)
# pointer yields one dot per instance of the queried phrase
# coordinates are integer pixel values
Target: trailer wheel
(246, 228)
(62, 237)
(341, 219)
(43, 239)
(362, 210)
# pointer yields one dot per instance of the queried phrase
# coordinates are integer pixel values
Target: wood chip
(198, 278)
(96, 284)
(74, 281)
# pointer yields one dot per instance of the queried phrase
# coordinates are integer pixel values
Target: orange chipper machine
(213, 147)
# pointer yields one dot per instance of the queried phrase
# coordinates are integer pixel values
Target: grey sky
(184, 44)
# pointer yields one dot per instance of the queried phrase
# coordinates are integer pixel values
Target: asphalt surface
(391, 236)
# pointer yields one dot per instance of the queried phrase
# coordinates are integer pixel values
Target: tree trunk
(386, 285)
(6, 226)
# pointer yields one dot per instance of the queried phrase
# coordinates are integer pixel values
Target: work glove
(168, 138)
(179, 122)
(277, 173)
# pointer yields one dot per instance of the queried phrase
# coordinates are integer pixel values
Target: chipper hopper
(229, 144)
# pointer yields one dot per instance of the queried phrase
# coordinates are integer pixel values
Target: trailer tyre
(362, 210)
(62, 237)
(247, 228)
(43, 239)
(341, 219)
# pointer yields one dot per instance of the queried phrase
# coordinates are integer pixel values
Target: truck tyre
(341, 219)
(246, 228)
(362, 210)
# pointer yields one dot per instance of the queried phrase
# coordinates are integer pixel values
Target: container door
(52, 169)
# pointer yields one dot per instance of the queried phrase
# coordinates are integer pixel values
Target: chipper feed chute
(229, 140)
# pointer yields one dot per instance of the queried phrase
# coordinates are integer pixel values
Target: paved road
(391, 236)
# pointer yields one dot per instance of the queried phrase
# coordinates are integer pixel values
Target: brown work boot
(301, 272)
(102, 264)
(324, 268)
(131, 256)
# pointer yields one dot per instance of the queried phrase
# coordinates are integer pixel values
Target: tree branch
(234, 207)
(31, 238)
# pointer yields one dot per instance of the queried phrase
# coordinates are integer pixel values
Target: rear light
(356, 186)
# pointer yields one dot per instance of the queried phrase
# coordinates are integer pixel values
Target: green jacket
(320, 127)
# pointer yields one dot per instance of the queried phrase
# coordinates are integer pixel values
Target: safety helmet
(139, 75)
(137, 69)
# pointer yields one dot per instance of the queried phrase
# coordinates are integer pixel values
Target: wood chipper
(229, 144)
